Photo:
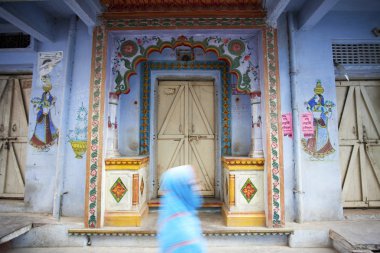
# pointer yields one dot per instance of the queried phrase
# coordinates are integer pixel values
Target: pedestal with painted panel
(126, 191)
(243, 191)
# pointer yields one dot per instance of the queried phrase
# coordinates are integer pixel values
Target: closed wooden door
(14, 111)
(359, 142)
(186, 129)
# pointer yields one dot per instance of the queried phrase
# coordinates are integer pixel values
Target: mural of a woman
(45, 133)
(319, 145)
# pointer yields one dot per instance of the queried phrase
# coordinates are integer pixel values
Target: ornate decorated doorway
(186, 129)
(126, 54)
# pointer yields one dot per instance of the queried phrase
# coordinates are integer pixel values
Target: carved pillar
(256, 149)
(112, 137)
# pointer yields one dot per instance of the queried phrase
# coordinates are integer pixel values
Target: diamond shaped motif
(142, 186)
(248, 190)
(118, 190)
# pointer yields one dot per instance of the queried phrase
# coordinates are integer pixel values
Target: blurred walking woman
(179, 228)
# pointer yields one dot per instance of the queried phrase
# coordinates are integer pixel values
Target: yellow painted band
(243, 167)
(125, 167)
(244, 219)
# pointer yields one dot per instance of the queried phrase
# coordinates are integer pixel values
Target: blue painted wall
(75, 169)
(321, 178)
(41, 174)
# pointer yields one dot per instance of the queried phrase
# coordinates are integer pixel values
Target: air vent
(356, 53)
(14, 40)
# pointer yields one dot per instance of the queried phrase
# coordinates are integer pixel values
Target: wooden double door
(186, 129)
(14, 111)
(359, 142)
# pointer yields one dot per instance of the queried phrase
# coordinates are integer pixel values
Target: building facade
(257, 100)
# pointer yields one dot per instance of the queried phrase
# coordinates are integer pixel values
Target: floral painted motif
(236, 47)
(128, 48)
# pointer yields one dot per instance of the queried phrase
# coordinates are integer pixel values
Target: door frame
(187, 75)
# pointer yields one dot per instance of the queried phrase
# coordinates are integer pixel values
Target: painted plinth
(126, 191)
(243, 191)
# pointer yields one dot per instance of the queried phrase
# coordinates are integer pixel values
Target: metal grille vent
(356, 53)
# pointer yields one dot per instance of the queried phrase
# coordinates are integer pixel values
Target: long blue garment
(179, 228)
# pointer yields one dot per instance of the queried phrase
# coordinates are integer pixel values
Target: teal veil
(179, 228)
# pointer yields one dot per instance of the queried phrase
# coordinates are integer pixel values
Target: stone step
(356, 236)
(63, 235)
(345, 245)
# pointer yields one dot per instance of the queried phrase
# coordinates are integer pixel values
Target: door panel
(359, 137)
(14, 109)
(186, 126)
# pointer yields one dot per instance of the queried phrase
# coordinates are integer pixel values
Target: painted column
(256, 149)
(112, 136)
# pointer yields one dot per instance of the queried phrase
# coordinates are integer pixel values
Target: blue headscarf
(179, 228)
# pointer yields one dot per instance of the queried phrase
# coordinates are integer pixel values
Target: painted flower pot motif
(78, 136)
(79, 148)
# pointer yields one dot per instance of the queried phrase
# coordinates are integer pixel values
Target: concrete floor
(258, 249)
(360, 227)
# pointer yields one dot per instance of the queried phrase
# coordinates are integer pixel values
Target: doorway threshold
(207, 203)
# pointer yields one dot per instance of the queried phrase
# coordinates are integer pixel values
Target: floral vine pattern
(92, 207)
(274, 155)
(130, 51)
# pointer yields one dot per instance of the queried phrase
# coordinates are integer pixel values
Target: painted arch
(234, 50)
